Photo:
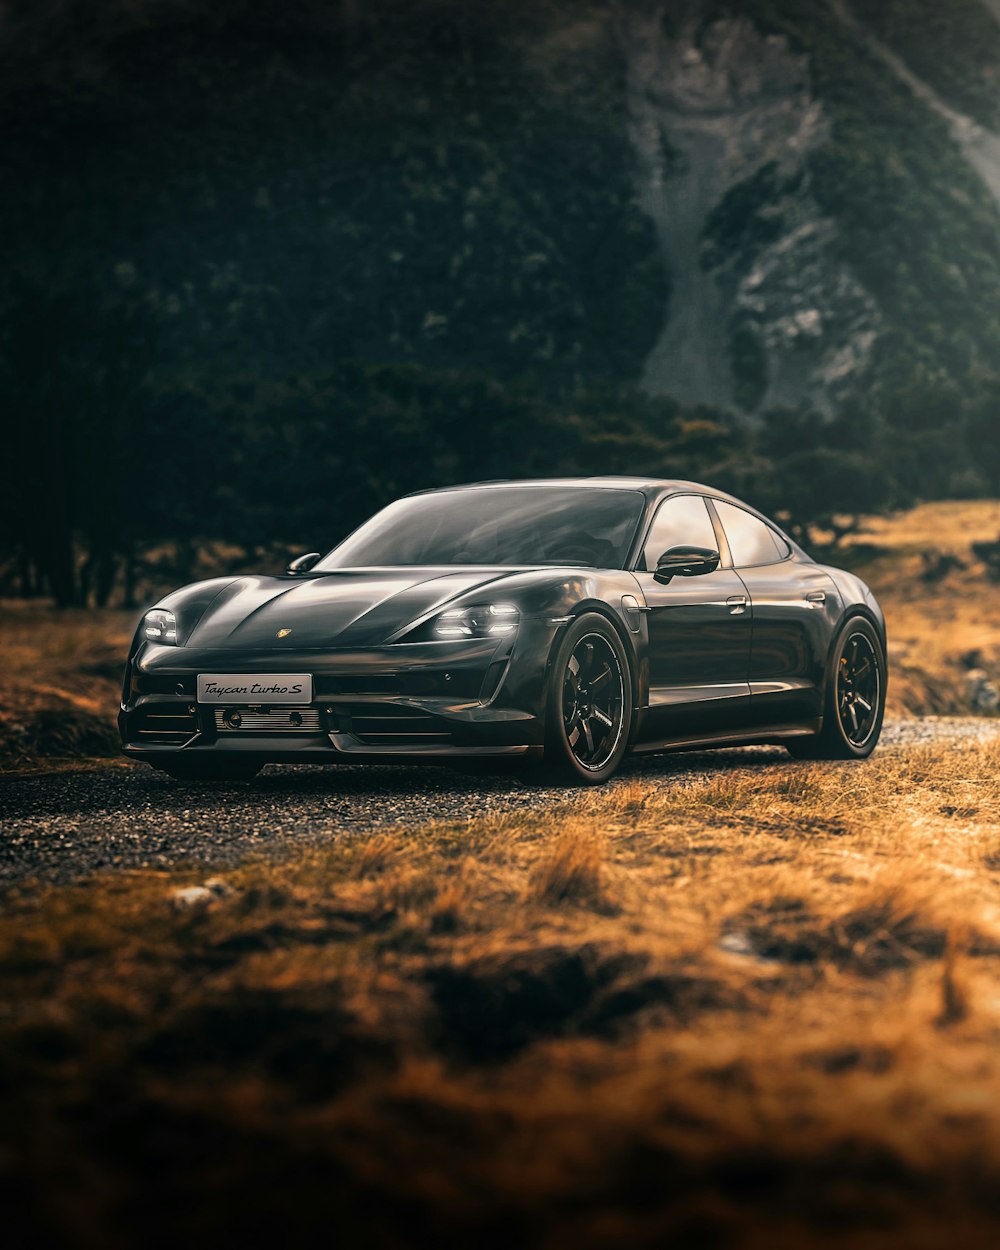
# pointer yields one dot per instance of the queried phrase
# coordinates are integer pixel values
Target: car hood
(344, 608)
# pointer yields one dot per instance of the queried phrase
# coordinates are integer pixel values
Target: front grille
(386, 724)
(275, 720)
(166, 722)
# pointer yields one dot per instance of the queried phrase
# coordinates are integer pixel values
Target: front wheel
(589, 706)
(855, 697)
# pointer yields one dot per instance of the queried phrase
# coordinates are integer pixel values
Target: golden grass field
(758, 1006)
(754, 1003)
(940, 624)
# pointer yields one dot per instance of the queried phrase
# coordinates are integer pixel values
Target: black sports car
(571, 620)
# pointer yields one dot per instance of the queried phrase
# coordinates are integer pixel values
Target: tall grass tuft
(955, 997)
(452, 905)
(573, 870)
(377, 855)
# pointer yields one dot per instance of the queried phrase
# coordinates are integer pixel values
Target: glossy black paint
(686, 562)
(718, 657)
(699, 646)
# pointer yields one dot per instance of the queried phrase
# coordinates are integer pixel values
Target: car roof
(653, 488)
(646, 485)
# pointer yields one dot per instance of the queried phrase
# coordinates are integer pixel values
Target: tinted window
(784, 551)
(680, 522)
(497, 525)
(750, 541)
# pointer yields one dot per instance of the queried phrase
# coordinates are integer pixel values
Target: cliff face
(781, 290)
(762, 310)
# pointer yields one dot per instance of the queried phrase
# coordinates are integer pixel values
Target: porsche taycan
(563, 621)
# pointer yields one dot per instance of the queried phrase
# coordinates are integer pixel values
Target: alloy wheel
(859, 688)
(593, 702)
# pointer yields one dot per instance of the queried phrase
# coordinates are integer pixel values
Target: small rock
(219, 887)
(191, 896)
(939, 564)
(736, 944)
(984, 694)
(211, 891)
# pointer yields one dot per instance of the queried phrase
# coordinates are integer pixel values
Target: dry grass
(754, 1008)
(942, 622)
(573, 870)
(59, 685)
(949, 525)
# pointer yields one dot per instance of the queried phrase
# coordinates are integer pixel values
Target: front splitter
(330, 749)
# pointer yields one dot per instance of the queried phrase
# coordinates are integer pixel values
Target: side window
(679, 522)
(751, 542)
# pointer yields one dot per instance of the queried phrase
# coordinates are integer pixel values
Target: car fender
(857, 598)
(632, 642)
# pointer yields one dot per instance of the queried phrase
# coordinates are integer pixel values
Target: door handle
(816, 596)
(737, 604)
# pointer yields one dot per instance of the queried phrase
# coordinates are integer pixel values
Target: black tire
(588, 704)
(210, 770)
(854, 701)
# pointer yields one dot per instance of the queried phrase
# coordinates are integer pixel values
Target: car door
(795, 606)
(699, 632)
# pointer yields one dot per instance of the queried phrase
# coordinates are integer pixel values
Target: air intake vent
(387, 724)
(167, 722)
(362, 683)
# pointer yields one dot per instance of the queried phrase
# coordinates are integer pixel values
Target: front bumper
(409, 701)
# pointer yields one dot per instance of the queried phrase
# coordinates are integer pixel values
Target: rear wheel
(589, 710)
(855, 697)
(209, 770)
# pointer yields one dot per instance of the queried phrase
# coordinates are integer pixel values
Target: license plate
(255, 688)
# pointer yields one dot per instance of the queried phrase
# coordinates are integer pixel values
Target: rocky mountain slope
(739, 115)
(724, 121)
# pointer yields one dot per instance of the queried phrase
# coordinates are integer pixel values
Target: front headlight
(159, 625)
(485, 620)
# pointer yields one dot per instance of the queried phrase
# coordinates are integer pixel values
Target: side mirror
(686, 562)
(302, 564)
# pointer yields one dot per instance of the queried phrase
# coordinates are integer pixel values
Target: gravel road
(58, 827)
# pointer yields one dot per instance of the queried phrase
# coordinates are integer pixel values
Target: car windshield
(497, 525)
